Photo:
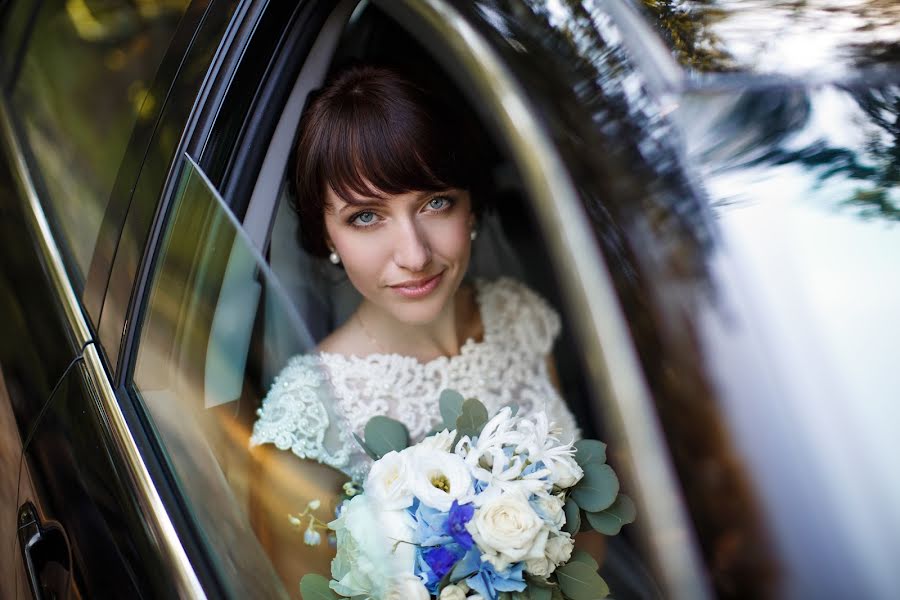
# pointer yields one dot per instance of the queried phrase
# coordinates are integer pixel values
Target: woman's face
(406, 254)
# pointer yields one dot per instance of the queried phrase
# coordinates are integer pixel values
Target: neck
(443, 336)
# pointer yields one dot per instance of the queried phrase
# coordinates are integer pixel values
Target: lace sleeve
(535, 323)
(298, 414)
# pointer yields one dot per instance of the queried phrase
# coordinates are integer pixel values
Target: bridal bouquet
(486, 508)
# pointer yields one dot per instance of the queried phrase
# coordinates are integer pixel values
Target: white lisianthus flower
(438, 478)
(388, 482)
(442, 441)
(374, 546)
(550, 508)
(507, 530)
(407, 587)
(452, 592)
(565, 472)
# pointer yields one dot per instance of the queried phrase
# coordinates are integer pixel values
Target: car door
(83, 87)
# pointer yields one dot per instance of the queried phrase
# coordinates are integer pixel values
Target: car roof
(813, 39)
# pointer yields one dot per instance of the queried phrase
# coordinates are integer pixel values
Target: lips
(418, 288)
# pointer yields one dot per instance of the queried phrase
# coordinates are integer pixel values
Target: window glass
(216, 330)
(83, 85)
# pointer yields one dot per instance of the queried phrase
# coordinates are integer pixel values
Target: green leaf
(367, 450)
(538, 589)
(384, 434)
(315, 587)
(610, 520)
(451, 403)
(573, 516)
(579, 581)
(597, 489)
(587, 451)
(472, 419)
(583, 557)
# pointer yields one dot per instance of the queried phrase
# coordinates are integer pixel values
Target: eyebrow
(356, 204)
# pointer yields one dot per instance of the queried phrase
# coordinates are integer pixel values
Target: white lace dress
(319, 401)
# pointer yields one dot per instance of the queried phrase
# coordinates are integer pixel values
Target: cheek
(450, 237)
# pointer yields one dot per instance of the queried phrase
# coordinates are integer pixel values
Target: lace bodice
(319, 400)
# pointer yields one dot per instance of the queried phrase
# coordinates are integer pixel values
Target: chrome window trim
(162, 529)
(594, 305)
(156, 517)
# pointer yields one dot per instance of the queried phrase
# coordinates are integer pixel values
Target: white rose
(388, 482)
(442, 441)
(407, 587)
(508, 530)
(551, 509)
(565, 472)
(452, 592)
(368, 554)
(539, 567)
(438, 478)
(559, 548)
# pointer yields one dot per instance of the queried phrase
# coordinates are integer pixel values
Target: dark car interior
(510, 243)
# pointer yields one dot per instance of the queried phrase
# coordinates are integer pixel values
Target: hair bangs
(380, 149)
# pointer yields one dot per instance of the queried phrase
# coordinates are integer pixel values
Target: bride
(388, 188)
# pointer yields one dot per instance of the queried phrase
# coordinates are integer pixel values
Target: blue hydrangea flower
(455, 526)
(489, 582)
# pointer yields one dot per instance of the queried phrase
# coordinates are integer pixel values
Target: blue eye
(438, 203)
(364, 218)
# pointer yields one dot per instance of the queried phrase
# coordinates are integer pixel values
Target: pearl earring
(334, 258)
(473, 234)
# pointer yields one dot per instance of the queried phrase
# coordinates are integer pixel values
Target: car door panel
(81, 482)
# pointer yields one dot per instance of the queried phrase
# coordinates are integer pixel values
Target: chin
(417, 312)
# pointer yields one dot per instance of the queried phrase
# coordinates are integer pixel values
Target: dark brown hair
(375, 132)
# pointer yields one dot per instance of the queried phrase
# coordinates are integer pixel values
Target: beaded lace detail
(318, 401)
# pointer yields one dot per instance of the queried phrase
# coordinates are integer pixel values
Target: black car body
(707, 190)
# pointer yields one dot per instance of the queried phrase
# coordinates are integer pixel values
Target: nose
(412, 251)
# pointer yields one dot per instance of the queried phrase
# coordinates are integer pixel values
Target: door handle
(45, 552)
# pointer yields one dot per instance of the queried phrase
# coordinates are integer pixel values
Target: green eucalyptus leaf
(579, 581)
(610, 521)
(539, 589)
(451, 403)
(367, 450)
(587, 451)
(384, 434)
(472, 419)
(573, 516)
(583, 557)
(597, 489)
(315, 587)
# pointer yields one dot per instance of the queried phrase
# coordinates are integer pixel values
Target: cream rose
(565, 472)
(551, 509)
(539, 567)
(507, 530)
(452, 592)
(407, 587)
(388, 482)
(559, 548)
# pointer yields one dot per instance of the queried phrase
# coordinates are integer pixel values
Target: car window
(83, 85)
(216, 330)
